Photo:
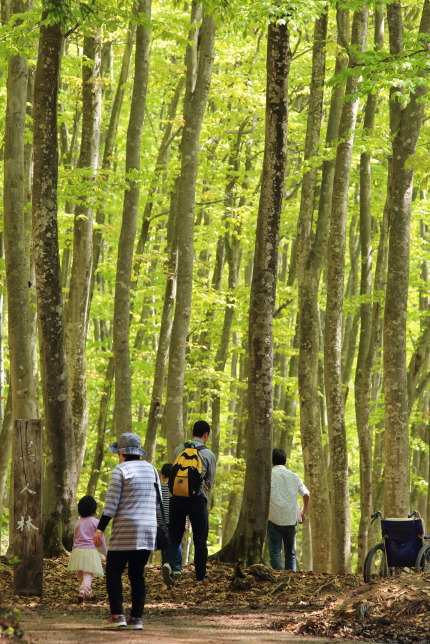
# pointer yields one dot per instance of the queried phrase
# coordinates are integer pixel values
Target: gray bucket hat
(128, 443)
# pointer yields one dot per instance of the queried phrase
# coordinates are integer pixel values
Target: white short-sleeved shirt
(286, 486)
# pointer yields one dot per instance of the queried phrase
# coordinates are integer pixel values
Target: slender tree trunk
(109, 144)
(247, 542)
(77, 309)
(198, 85)
(154, 413)
(20, 336)
(310, 258)
(101, 428)
(121, 323)
(5, 452)
(333, 319)
(409, 119)
(365, 350)
(60, 472)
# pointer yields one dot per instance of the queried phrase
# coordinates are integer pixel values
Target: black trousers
(196, 508)
(116, 561)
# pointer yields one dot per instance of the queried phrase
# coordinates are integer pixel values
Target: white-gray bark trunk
(408, 125)
(198, 85)
(121, 322)
(333, 319)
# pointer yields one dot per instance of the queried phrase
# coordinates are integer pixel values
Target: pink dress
(85, 555)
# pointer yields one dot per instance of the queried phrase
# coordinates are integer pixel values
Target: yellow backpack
(186, 477)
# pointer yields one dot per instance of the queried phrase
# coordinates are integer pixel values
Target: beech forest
(219, 210)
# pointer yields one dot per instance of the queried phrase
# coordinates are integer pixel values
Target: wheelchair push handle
(414, 514)
(375, 515)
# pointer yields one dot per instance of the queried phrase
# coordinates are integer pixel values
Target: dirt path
(67, 629)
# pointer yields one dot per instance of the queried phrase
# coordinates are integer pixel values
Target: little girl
(85, 558)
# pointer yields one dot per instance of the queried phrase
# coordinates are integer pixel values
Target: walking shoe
(135, 624)
(204, 581)
(116, 621)
(167, 575)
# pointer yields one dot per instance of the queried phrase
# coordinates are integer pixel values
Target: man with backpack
(191, 477)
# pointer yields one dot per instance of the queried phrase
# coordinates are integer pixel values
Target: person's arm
(113, 496)
(98, 538)
(306, 498)
(211, 470)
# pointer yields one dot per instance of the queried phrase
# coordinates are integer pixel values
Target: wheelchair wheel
(375, 565)
(423, 559)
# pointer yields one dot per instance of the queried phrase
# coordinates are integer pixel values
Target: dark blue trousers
(196, 508)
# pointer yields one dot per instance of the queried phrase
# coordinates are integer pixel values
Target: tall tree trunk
(247, 542)
(154, 413)
(16, 235)
(101, 428)
(121, 322)
(333, 320)
(365, 349)
(60, 471)
(5, 452)
(198, 84)
(310, 258)
(409, 119)
(77, 309)
(109, 144)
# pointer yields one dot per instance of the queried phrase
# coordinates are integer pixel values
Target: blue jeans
(178, 563)
(278, 535)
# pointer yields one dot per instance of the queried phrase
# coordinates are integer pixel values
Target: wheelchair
(404, 548)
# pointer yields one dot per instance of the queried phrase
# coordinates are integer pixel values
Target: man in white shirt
(284, 512)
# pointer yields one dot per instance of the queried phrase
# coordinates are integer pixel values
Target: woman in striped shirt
(131, 502)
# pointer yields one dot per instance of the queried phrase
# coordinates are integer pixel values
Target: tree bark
(333, 320)
(198, 84)
(77, 309)
(121, 322)
(365, 356)
(408, 125)
(60, 471)
(16, 235)
(247, 542)
(310, 258)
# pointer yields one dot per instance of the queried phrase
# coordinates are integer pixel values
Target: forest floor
(250, 605)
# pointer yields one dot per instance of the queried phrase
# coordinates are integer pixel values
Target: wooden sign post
(27, 487)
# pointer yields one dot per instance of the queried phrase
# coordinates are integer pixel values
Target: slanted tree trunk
(199, 77)
(77, 309)
(406, 132)
(333, 319)
(247, 542)
(121, 322)
(59, 444)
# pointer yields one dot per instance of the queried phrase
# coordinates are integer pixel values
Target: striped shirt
(132, 502)
(165, 497)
